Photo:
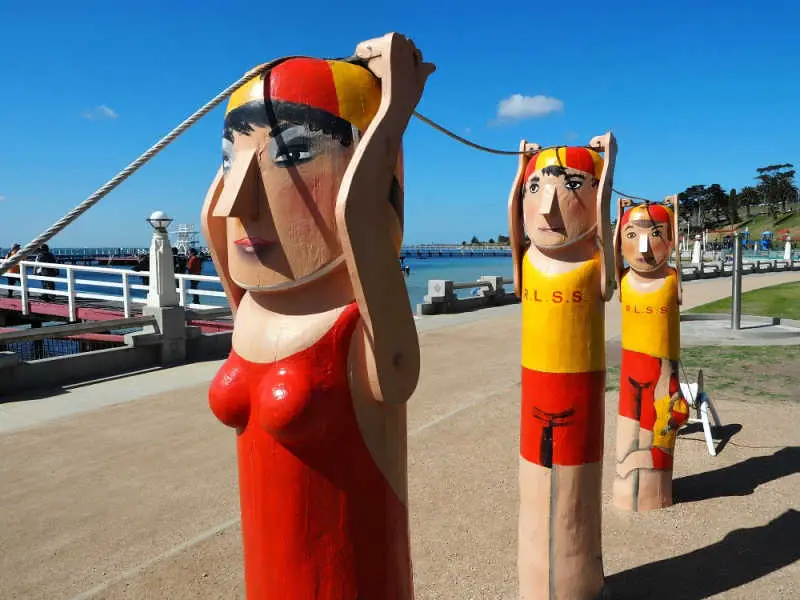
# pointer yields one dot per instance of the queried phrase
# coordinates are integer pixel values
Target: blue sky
(695, 92)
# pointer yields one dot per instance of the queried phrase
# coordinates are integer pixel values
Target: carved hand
(396, 61)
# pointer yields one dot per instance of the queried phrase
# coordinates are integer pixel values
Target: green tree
(748, 197)
(777, 186)
(491, 240)
(503, 239)
(474, 241)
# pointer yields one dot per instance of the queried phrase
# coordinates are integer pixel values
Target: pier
(453, 250)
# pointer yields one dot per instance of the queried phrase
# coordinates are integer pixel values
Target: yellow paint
(252, 90)
(663, 435)
(358, 92)
(651, 321)
(563, 325)
(553, 157)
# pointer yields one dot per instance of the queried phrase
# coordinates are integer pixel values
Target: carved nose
(643, 245)
(549, 195)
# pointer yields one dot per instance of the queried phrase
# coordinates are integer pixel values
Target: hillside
(760, 223)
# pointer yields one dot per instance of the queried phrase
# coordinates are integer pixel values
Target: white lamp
(159, 220)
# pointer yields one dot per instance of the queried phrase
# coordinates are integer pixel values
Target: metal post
(736, 309)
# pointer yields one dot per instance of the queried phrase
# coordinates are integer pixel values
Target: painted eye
(227, 155)
(292, 156)
(573, 184)
(631, 235)
(534, 187)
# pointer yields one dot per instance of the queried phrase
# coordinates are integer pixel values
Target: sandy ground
(139, 499)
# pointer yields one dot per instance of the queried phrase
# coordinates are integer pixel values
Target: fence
(73, 287)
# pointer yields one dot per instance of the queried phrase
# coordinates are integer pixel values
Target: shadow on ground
(742, 556)
(740, 479)
(722, 434)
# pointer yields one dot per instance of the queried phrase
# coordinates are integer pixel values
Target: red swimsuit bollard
(651, 407)
(561, 198)
(304, 221)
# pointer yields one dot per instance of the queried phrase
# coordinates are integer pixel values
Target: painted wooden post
(651, 406)
(304, 223)
(561, 198)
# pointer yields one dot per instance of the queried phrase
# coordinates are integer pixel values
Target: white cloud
(517, 107)
(100, 112)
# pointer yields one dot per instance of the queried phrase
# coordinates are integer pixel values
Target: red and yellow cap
(345, 90)
(657, 213)
(573, 157)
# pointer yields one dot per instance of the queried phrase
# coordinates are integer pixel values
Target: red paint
(86, 313)
(576, 158)
(319, 519)
(577, 438)
(645, 370)
(307, 81)
(656, 212)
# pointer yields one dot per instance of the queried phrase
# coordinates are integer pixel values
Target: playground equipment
(561, 199)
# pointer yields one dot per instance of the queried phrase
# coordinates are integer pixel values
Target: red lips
(252, 242)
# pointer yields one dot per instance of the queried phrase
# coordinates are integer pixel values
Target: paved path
(127, 488)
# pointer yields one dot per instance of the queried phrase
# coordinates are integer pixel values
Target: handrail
(71, 280)
(41, 333)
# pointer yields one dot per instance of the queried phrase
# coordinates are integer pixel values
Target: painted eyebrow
(279, 129)
(574, 176)
(535, 179)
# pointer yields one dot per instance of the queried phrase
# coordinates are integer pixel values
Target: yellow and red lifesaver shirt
(563, 365)
(651, 320)
(650, 334)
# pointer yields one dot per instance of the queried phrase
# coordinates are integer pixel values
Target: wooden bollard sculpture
(304, 221)
(651, 407)
(561, 197)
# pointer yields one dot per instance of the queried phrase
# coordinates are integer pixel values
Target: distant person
(178, 261)
(194, 267)
(14, 269)
(45, 256)
(142, 264)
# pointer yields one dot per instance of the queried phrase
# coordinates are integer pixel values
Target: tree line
(714, 206)
(502, 240)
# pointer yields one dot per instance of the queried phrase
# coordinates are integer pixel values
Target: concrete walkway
(127, 488)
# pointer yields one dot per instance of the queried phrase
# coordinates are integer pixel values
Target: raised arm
(672, 201)
(214, 232)
(364, 221)
(516, 222)
(608, 145)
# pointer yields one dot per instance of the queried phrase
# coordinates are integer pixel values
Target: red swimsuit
(319, 519)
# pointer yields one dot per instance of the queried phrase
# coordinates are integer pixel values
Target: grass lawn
(775, 301)
(749, 373)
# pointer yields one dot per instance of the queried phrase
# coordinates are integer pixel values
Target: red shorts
(562, 417)
(638, 377)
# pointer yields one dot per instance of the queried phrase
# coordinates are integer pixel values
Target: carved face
(559, 201)
(646, 238)
(286, 148)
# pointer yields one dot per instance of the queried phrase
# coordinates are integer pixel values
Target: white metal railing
(76, 278)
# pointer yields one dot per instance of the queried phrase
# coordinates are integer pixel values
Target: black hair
(258, 113)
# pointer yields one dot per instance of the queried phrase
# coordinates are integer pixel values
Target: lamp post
(162, 291)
